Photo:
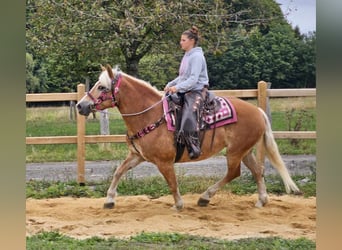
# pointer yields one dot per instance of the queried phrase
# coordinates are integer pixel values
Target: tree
(79, 35)
(278, 56)
(158, 69)
(55, 35)
(306, 64)
(35, 76)
(32, 82)
(72, 38)
(76, 36)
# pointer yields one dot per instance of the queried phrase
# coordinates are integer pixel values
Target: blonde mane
(135, 80)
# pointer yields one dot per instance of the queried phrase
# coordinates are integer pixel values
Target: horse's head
(102, 95)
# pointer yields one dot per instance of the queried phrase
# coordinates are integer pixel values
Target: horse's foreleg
(131, 161)
(168, 172)
(234, 170)
(257, 169)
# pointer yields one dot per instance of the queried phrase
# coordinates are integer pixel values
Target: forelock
(104, 78)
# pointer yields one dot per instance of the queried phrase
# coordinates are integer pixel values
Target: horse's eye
(101, 88)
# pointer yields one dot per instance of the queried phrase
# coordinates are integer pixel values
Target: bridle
(115, 85)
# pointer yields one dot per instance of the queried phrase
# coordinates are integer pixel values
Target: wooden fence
(262, 93)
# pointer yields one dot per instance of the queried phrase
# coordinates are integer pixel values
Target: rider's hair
(192, 33)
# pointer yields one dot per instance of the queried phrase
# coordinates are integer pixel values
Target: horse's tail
(272, 153)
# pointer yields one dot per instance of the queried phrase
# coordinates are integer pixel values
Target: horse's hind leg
(234, 170)
(257, 169)
(131, 161)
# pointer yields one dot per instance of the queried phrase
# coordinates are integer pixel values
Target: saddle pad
(225, 115)
(169, 116)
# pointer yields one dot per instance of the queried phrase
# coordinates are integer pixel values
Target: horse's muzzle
(84, 108)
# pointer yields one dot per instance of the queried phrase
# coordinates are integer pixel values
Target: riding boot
(193, 145)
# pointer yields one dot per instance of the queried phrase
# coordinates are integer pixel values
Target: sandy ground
(227, 217)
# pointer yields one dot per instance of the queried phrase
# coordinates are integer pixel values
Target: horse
(149, 139)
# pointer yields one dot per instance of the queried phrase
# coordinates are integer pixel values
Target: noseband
(115, 85)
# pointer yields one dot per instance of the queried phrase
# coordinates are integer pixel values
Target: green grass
(55, 122)
(156, 186)
(295, 120)
(55, 240)
(287, 114)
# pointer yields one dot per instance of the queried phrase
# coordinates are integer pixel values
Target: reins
(138, 113)
(143, 111)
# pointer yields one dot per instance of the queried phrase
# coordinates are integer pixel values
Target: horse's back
(246, 111)
(250, 125)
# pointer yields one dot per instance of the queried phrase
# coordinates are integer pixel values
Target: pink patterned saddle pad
(223, 114)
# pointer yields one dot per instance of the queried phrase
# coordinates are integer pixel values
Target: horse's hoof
(259, 204)
(109, 205)
(262, 201)
(298, 192)
(202, 202)
(175, 208)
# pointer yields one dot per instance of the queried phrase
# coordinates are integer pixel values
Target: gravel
(103, 170)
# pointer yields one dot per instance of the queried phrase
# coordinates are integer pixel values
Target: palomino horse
(141, 105)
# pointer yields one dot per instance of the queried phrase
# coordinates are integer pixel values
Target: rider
(191, 81)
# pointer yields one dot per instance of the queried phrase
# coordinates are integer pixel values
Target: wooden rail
(261, 93)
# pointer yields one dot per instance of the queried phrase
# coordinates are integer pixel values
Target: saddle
(217, 111)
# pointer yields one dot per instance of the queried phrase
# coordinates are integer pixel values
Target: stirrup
(194, 155)
(194, 152)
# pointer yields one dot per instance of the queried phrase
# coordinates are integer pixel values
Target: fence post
(262, 103)
(268, 108)
(262, 95)
(104, 128)
(80, 139)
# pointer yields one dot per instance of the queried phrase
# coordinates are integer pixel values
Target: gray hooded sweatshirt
(193, 74)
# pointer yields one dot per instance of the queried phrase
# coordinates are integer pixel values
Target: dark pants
(189, 128)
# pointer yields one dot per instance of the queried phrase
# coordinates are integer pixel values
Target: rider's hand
(172, 89)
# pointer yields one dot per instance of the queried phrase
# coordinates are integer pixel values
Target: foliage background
(244, 42)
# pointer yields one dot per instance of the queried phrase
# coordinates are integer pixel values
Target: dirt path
(103, 170)
(227, 217)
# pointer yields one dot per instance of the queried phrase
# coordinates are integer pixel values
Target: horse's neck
(135, 98)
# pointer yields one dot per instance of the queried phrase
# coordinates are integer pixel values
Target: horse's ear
(102, 68)
(110, 71)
